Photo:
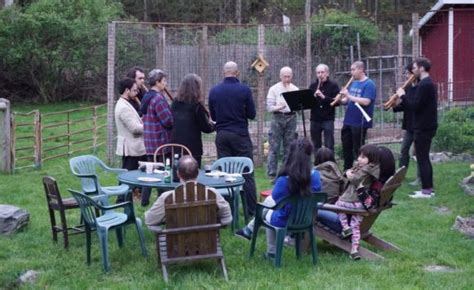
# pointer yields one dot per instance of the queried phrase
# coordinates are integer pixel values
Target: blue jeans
(329, 219)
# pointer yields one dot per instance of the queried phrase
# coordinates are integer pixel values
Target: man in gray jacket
(130, 143)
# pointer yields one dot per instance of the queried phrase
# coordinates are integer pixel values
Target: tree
(53, 50)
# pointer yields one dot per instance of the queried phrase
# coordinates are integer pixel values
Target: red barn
(447, 39)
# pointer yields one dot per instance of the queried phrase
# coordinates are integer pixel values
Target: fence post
(5, 137)
(415, 36)
(110, 91)
(204, 53)
(308, 42)
(68, 118)
(260, 98)
(94, 129)
(400, 56)
(38, 140)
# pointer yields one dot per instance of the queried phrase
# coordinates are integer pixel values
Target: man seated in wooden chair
(187, 171)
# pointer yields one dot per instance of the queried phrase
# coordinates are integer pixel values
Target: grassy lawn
(415, 226)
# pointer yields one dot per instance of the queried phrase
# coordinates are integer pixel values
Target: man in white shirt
(283, 126)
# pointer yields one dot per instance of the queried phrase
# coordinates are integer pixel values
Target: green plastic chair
(303, 211)
(240, 165)
(110, 220)
(85, 166)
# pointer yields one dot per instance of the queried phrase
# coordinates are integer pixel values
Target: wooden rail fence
(37, 137)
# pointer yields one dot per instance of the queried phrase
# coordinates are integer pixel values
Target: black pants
(325, 127)
(230, 144)
(405, 150)
(352, 139)
(131, 162)
(422, 147)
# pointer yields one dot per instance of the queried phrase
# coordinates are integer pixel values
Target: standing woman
(190, 116)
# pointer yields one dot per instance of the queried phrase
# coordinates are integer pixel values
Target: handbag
(370, 196)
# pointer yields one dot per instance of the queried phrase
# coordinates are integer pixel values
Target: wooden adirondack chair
(192, 228)
(370, 217)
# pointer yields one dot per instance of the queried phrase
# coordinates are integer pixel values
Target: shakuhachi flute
(393, 99)
(338, 98)
(168, 93)
(317, 89)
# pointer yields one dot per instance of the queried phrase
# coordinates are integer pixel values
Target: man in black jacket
(407, 124)
(424, 104)
(322, 114)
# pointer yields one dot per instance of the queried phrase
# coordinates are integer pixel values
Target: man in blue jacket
(231, 105)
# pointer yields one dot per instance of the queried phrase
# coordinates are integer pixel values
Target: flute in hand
(168, 93)
(392, 101)
(338, 98)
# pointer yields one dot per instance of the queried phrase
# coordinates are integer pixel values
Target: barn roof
(438, 6)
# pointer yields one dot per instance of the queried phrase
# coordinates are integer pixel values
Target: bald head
(358, 70)
(231, 69)
(188, 168)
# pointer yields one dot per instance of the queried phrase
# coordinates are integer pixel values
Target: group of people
(298, 176)
(145, 121)
(418, 102)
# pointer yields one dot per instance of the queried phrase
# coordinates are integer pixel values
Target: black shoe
(242, 234)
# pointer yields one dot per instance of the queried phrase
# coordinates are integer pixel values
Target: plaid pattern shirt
(157, 122)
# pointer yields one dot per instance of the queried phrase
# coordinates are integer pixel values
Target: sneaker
(243, 234)
(415, 182)
(346, 233)
(355, 255)
(289, 241)
(419, 194)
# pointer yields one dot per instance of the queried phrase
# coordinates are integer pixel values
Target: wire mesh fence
(203, 49)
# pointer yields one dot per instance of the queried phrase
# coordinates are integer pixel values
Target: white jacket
(130, 140)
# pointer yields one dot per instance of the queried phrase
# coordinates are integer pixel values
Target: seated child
(364, 173)
(332, 181)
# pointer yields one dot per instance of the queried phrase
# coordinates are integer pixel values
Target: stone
(465, 226)
(12, 219)
(29, 277)
(442, 210)
(439, 269)
(467, 185)
(439, 157)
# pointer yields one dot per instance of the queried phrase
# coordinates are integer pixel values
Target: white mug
(149, 168)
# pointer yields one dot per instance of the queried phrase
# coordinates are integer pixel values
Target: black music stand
(299, 101)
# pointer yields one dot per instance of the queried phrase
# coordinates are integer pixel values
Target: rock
(442, 210)
(439, 157)
(29, 276)
(465, 226)
(439, 268)
(12, 219)
(467, 185)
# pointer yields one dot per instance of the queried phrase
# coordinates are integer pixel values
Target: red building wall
(434, 45)
(463, 54)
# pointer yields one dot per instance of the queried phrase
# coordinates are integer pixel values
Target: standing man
(231, 105)
(283, 126)
(323, 114)
(407, 123)
(425, 106)
(138, 75)
(130, 143)
(363, 92)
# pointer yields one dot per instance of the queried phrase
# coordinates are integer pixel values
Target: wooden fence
(37, 137)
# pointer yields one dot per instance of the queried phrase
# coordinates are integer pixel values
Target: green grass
(415, 226)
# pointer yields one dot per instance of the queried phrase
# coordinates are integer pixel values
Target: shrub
(456, 131)
(53, 50)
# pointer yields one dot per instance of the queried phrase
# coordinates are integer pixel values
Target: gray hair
(231, 68)
(323, 66)
(156, 75)
(286, 69)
